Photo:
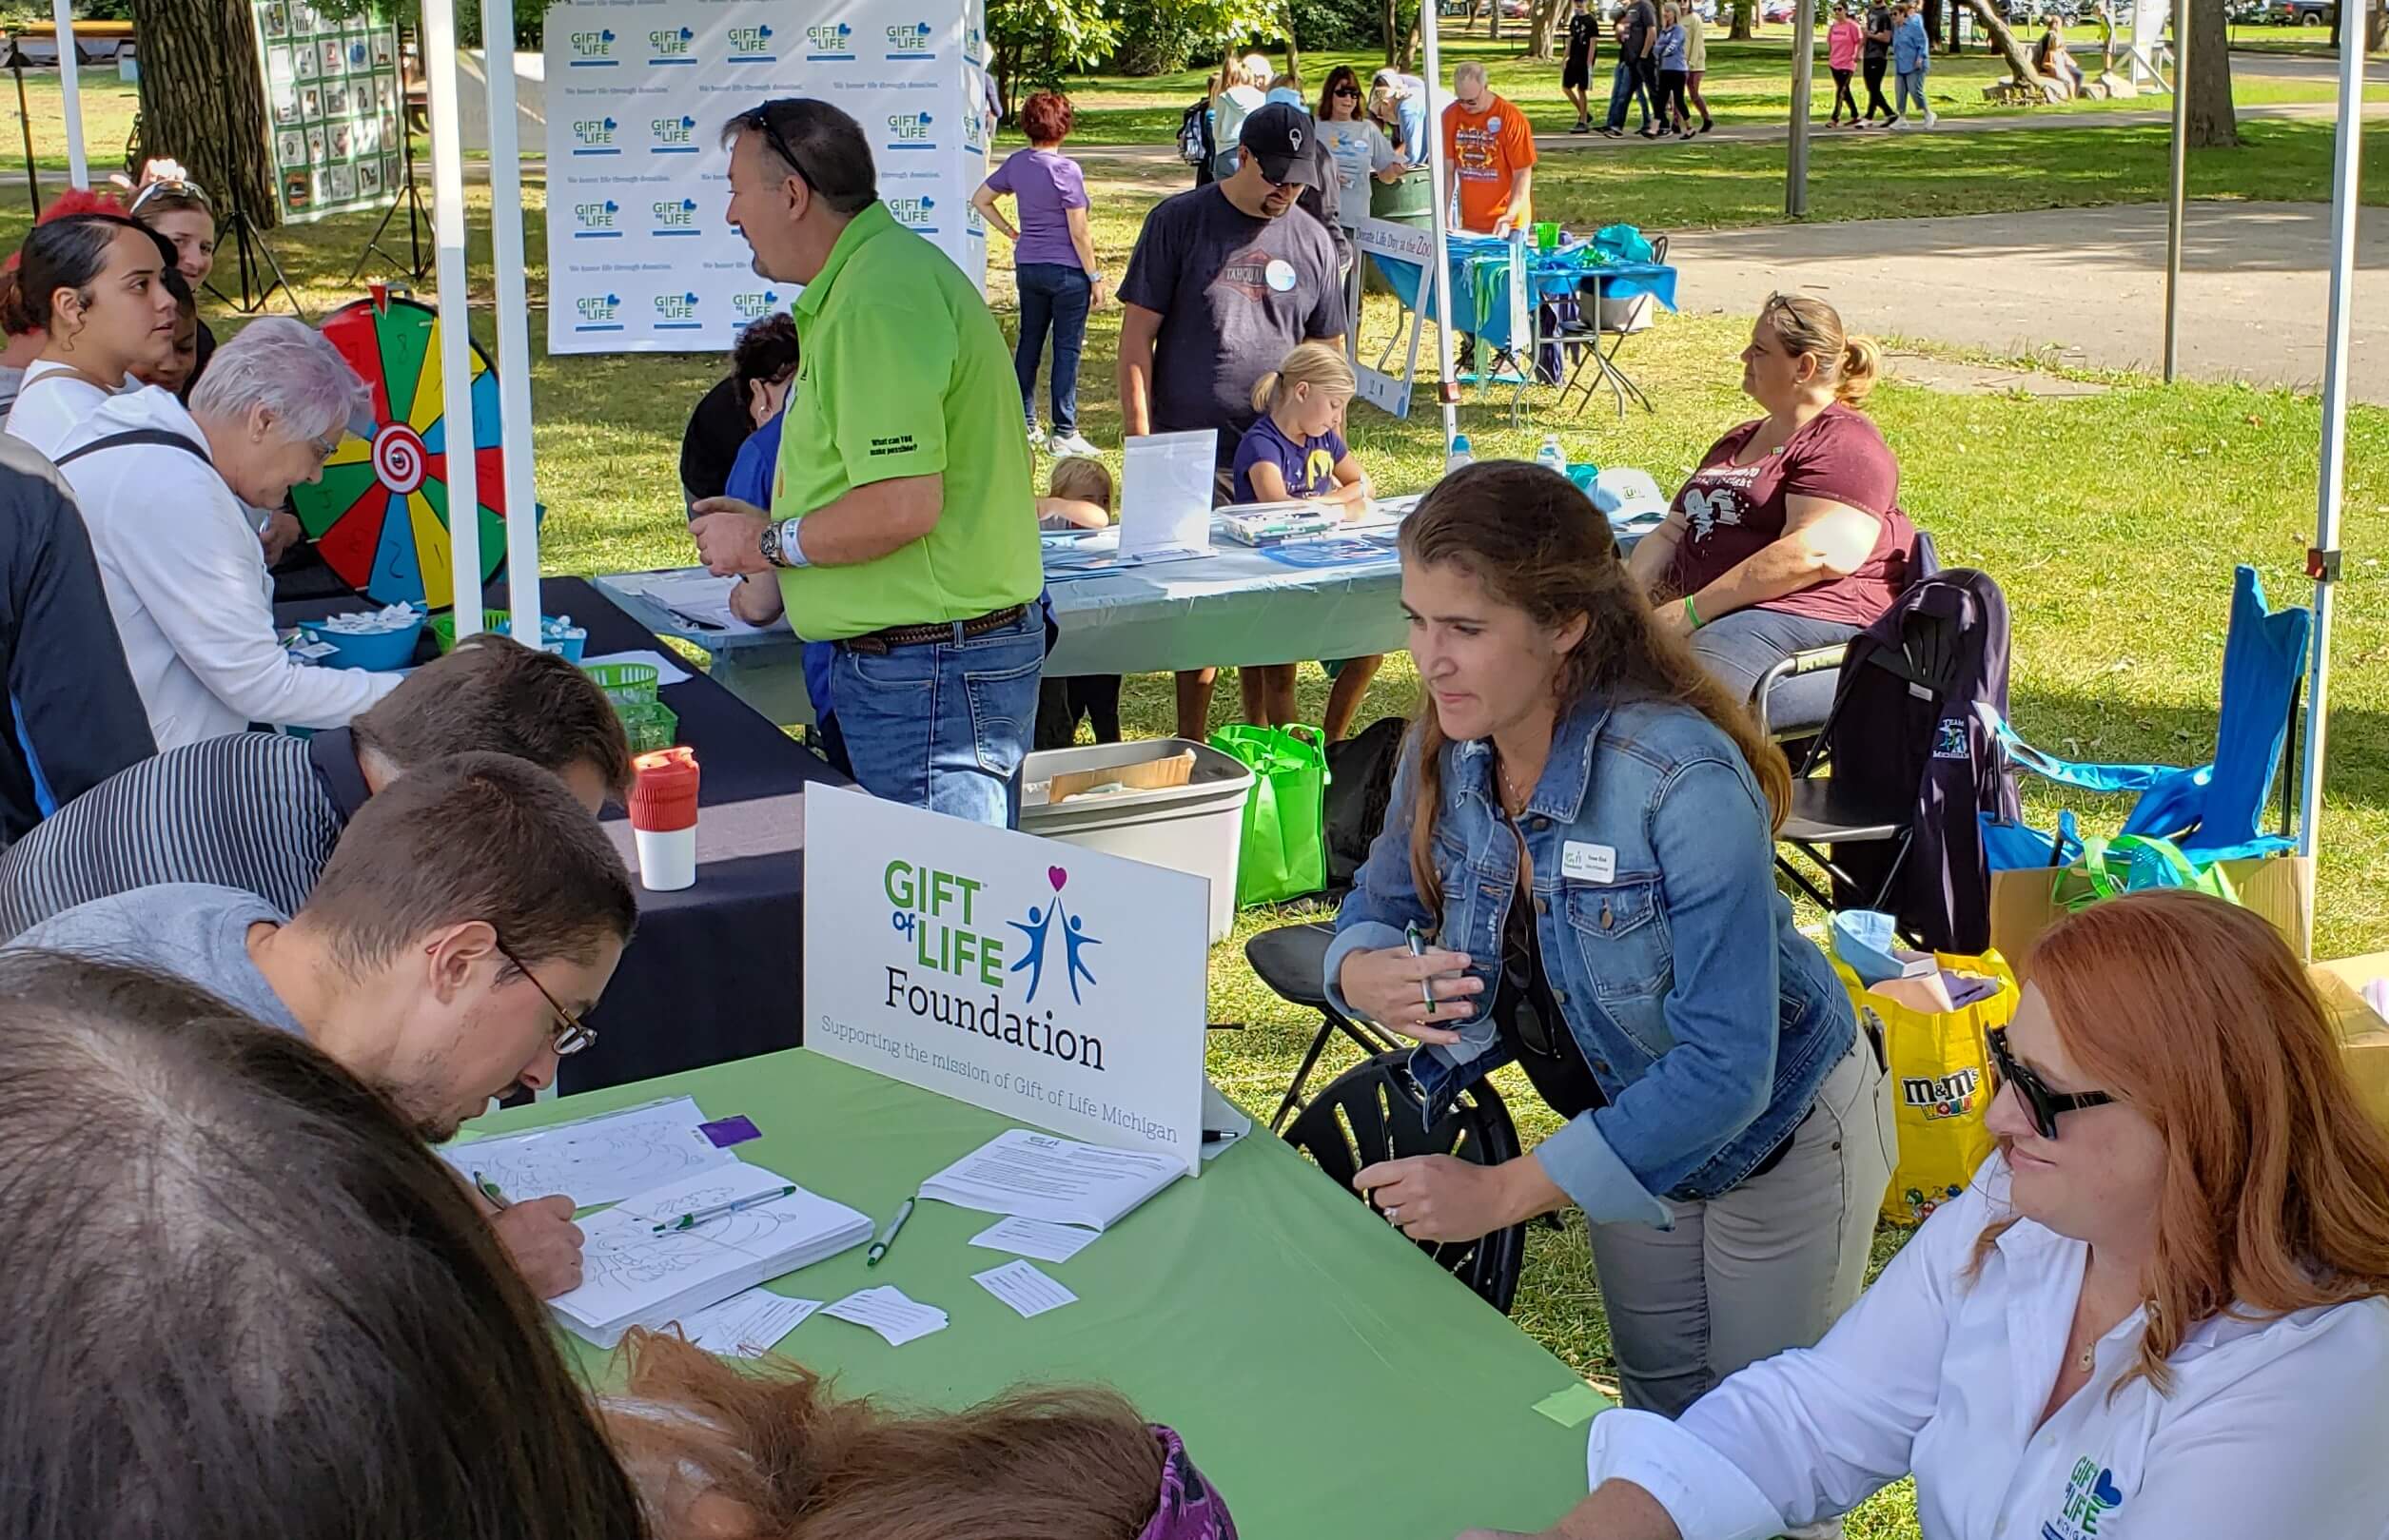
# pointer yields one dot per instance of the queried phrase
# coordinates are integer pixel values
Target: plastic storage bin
(377, 651)
(1197, 827)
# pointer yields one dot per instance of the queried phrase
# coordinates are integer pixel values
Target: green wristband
(1690, 613)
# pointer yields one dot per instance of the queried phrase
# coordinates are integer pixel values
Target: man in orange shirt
(1490, 148)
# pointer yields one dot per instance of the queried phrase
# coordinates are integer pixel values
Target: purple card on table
(725, 1132)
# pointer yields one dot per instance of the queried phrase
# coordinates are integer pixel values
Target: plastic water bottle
(1551, 456)
(1459, 456)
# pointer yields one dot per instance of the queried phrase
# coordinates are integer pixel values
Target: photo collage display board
(336, 109)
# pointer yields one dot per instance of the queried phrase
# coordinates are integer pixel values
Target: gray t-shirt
(1236, 294)
(1641, 21)
(194, 931)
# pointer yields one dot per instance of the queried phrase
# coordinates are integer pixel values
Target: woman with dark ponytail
(1582, 830)
(94, 284)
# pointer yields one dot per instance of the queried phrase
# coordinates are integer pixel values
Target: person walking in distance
(1876, 58)
(1576, 69)
(1911, 56)
(1843, 41)
(1635, 26)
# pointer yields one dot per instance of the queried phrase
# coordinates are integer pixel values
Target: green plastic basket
(625, 684)
(650, 724)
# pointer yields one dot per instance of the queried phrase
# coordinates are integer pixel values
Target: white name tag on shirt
(1588, 862)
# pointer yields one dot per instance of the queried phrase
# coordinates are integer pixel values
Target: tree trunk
(203, 99)
(1393, 31)
(1745, 21)
(1417, 40)
(2212, 122)
(1293, 53)
(1542, 29)
(2019, 61)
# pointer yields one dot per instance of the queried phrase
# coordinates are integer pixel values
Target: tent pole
(455, 312)
(1438, 175)
(2178, 186)
(70, 93)
(514, 323)
(2322, 563)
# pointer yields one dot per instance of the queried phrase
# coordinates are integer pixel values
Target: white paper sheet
(887, 1311)
(747, 1325)
(1166, 492)
(1035, 1237)
(600, 1160)
(667, 670)
(699, 596)
(1024, 1288)
(1043, 1177)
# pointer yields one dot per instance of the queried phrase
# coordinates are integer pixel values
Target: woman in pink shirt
(1842, 43)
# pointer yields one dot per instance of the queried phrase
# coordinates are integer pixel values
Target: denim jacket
(1709, 1020)
(1911, 50)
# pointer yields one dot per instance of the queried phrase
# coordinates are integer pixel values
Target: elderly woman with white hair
(161, 489)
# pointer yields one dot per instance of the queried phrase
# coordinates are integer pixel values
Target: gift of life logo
(671, 136)
(754, 304)
(677, 312)
(598, 313)
(2091, 1496)
(594, 136)
(593, 49)
(595, 220)
(1941, 1096)
(909, 130)
(674, 216)
(918, 215)
(827, 43)
(751, 45)
(672, 45)
(943, 914)
(909, 41)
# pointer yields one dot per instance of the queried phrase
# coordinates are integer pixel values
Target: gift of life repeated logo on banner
(638, 90)
(1037, 980)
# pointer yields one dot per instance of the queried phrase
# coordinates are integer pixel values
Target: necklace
(1514, 799)
(2087, 1359)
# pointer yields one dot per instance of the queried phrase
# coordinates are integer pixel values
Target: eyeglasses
(171, 185)
(329, 442)
(571, 1034)
(2044, 1103)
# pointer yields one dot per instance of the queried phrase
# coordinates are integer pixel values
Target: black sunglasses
(2044, 1103)
(1353, 92)
(759, 119)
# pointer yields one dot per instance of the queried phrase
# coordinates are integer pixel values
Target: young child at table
(1295, 450)
(1078, 497)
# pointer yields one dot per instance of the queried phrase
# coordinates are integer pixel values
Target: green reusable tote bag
(1284, 852)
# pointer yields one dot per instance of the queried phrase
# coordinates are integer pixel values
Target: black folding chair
(1790, 701)
(1366, 1115)
(1292, 961)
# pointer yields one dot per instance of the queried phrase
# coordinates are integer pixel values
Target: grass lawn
(2116, 566)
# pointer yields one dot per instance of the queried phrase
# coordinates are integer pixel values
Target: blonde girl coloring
(1295, 449)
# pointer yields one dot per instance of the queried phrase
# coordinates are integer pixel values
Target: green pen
(490, 1190)
(699, 1216)
(879, 1247)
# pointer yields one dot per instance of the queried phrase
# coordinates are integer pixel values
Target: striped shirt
(254, 811)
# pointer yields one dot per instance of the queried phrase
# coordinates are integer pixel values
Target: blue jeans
(1626, 84)
(1738, 649)
(944, 725)
(1051, 295)
(1911, 84)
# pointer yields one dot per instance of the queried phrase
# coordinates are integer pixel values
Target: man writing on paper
(471, 916)
(1221, 287)
(901, 526)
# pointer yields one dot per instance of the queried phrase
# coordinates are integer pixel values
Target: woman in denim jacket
(1582, 830)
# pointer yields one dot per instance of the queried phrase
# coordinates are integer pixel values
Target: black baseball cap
(1279, 136)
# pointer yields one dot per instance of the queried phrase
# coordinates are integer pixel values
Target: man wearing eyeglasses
(901, 526)
(470, 917)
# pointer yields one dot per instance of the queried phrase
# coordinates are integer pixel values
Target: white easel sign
(1032, 978)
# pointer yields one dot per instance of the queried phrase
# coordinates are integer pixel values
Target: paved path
(2255, 285)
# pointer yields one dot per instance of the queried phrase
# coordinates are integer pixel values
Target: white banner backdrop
(1049, 984)
(641, 258)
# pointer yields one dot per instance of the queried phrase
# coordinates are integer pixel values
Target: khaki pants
(1766, 1267)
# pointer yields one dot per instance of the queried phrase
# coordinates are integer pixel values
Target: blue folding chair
(2212, 812)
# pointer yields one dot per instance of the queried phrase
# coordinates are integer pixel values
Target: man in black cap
(1221, 287)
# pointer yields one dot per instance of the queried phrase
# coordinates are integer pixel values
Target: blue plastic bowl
(378, 652)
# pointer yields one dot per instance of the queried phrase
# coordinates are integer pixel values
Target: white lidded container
(1197, 827)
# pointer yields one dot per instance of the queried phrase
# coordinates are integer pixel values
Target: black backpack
(1359, 787)
(1194, 135)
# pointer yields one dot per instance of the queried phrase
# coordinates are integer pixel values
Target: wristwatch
(771, 545)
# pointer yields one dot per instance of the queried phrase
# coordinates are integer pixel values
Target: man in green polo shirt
(901, 526)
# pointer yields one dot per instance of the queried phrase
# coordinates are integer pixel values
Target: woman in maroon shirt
(1789, 535)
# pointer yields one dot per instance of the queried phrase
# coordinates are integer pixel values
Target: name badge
(1588, 862)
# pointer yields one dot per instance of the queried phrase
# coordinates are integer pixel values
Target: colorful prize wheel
(380, 517)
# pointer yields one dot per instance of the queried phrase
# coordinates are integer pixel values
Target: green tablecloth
(1327, 1376)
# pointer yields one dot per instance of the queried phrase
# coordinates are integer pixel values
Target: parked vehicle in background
(2299, 12)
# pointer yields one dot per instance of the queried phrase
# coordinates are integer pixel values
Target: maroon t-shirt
(1733, 512)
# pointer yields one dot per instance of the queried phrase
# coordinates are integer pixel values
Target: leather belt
(890, 637)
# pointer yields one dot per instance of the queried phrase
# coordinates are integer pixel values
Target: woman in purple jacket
(1053, 256)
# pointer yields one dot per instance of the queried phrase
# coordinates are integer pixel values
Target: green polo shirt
(905, 372)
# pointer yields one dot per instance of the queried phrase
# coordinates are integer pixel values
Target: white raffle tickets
(640, 256)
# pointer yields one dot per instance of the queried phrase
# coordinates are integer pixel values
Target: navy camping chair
(2213, 811)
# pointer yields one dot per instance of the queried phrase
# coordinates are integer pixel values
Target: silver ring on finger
(1393, 1216)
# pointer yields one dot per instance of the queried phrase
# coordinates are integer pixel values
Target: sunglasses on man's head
(2044, 1103)
(171, 185)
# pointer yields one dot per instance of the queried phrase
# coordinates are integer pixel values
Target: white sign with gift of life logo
(641, 257)
(1039, 981)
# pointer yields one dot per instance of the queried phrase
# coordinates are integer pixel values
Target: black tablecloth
(714, 972)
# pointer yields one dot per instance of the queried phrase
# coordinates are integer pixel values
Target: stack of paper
(600, 1160)
(1274, 523)
(1060, 1181)
(635, 1273)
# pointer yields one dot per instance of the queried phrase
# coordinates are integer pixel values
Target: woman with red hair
(1053, 258)
(2161, 1311)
